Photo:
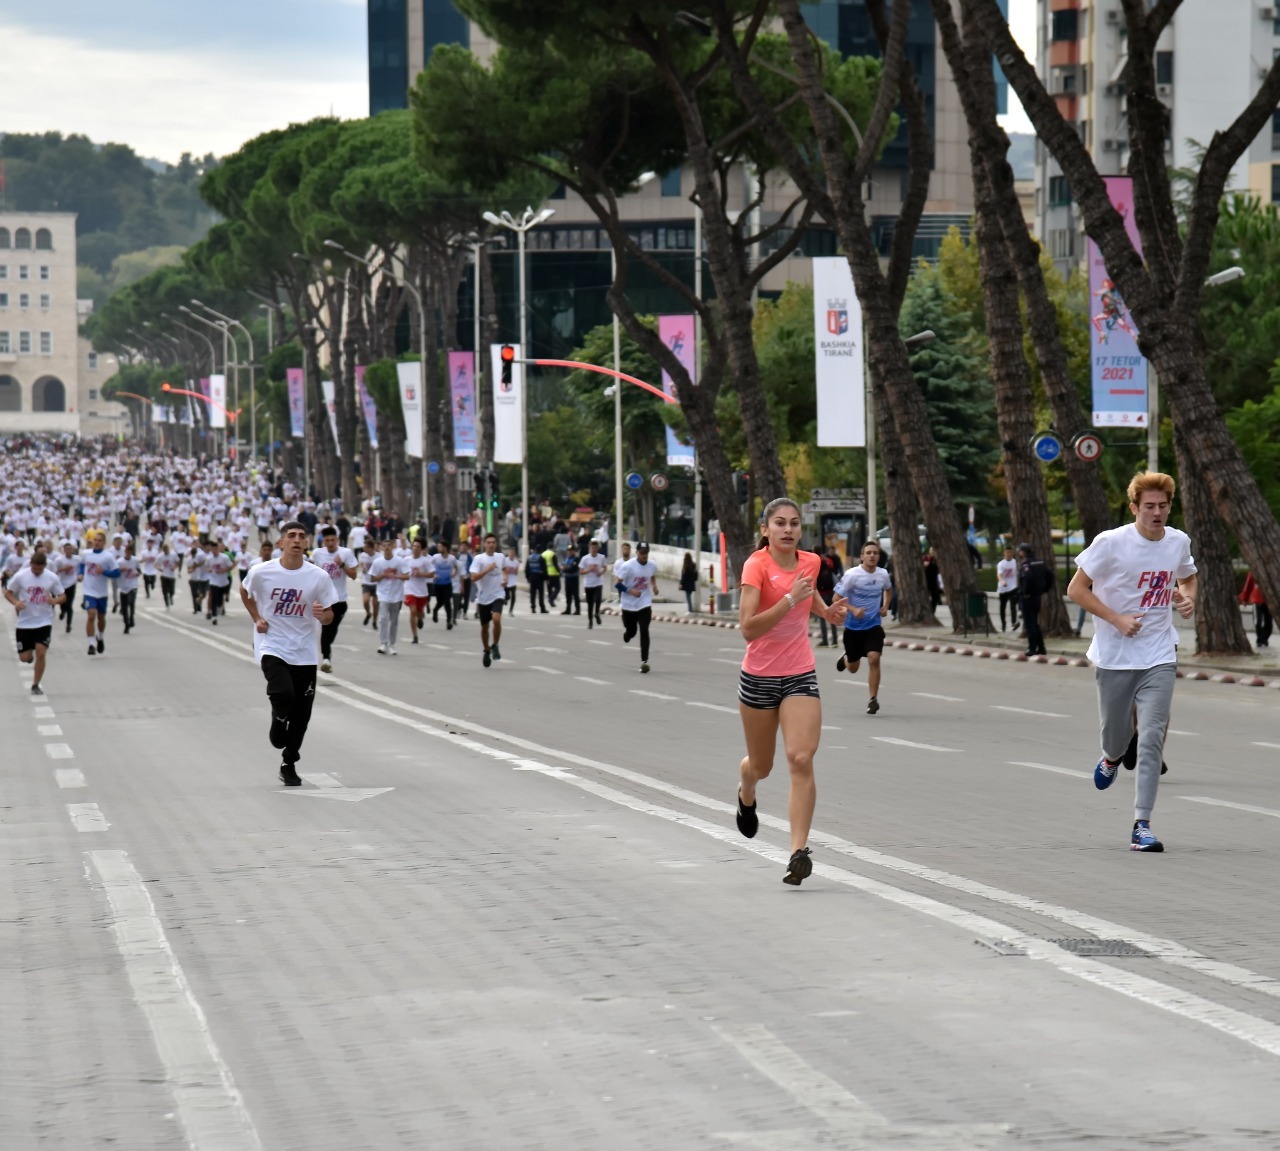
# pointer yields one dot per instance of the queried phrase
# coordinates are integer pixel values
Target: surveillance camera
(610, 390)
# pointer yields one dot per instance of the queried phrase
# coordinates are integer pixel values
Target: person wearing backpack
(1035, 580)
(825, 585)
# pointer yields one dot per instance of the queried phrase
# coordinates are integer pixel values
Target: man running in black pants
(339, 564)
(289, 600)
(592, 566)
(488, 575)
(639, 580)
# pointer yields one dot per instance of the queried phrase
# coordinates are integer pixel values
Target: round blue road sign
(433, 467)
(1047, 447)
(635, 481)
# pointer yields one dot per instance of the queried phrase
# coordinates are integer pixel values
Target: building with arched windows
(50, 378)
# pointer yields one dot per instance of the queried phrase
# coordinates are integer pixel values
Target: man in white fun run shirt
(97, 570)
(592, 566)
(339, 564)
(1131, 580)
(488, 575)
(289, 601)
(34, 591)
(639, 577)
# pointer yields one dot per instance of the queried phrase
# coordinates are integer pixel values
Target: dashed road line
(590, 679)
(711, 706)
(87, 817)
(911, 743)
(1235, 806)
(59, 751)
(652, 694)
(1050, 767)
(48, 729)
(1029, 711)
(546, 670)
(69, 777)
(944, 698)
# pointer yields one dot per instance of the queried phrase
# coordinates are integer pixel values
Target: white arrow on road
(326, 787)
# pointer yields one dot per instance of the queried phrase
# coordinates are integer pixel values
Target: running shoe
(414, 640)
(1104, 773)
(748, 820)
(644, 668)
(392, 651)
(1130, 757)
(366, 620)
(382, 649)
(873, 705)
(101, 646)
(493, 651)
(215, 621)
(289, 775)
(1143, 838)
(799, 869)
(840, 664)
(488, 659)
(325, 665)
(279, 733)
(36, 689)
(93, 650)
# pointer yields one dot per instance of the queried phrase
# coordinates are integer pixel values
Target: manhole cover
(1093, 946)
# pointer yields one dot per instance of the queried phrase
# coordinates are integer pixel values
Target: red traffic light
(165, 387)
(508, 353)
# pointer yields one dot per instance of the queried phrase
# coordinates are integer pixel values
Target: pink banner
(677, 333)
(204, 386)
(367, 406)
(297, 403)
(462, 391)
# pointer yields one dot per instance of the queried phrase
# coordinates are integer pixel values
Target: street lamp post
(253, 387)
(529, 219)
(226, 341)
(403, 281)
(916, 341)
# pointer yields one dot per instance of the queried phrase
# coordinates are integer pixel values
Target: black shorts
(857, 643)
(369, 588)
(766, 692)
(486, 611)
(31, 637)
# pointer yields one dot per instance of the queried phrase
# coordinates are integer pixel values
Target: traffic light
(493, 489)
(742, 486)
(508, 355)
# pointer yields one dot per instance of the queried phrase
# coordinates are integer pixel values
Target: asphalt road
(510, 909)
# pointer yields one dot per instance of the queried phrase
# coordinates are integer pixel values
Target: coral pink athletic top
(784, 649)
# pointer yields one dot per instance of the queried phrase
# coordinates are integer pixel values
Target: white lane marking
(829, 727)
(329, 788)
(652, 694)
(87, 817)
(1237, 806)
(1051, 767)
(546, 670)
(1175, 731)
(1167, 950)
(59, 751)
(48, 729)
(1029, 711)
(589, 679)
(842, 1112)
(944, 698)
(738, 649)
(711, 706)
(911, 743)
(601, 642)
(551, 650)
(440, 646)
(42, 713)
(69, 777)
(531, 631)
(1256, 743)
(208, 1101)
(717, 659)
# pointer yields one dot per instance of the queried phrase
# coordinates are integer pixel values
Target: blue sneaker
(1104, 773)
(1143, 838)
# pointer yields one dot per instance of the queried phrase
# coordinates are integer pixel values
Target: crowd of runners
(101, 523)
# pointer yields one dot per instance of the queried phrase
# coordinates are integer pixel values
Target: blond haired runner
(778, 685)
(1131, 580)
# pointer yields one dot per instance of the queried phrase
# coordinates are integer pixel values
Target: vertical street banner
(330, 406)
(677, 333)
(409, 376)
(297, 403)
(217, 394)
(1118, 368)
(838, 371)
(367, 407)
(462, 394)
(508, 412)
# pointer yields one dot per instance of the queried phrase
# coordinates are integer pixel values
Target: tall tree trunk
(915, 608)
(968, 60)
(434, 445)
(1219, 628)
(349, 298)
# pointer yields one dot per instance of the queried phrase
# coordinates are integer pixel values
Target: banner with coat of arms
(838, 367)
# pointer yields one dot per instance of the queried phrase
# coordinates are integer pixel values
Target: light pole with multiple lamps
(528, 220)
(403, 281)
(253, 389)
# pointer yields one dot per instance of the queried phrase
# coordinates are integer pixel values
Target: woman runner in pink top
(778, 683)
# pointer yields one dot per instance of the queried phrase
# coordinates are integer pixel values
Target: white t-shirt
(65, 567)
(356, 537)
(167, 565)
(35, 593)
(334, 564)
(422, 571)
(1007, 575)
(1134, 575)
(592, 568)
(219, 568)
(639, 579)
(147, 561)
(283, 597)
(389, 590)
(96, 565)
(490, 570)
(512, 568)
(130, 571)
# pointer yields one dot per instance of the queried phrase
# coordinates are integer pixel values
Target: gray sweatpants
(1143, 695)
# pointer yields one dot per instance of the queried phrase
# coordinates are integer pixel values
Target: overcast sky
(174, 76)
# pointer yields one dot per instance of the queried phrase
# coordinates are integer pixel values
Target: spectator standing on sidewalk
(1034, 581)
(1251, 594)
(1007, 587)
(689, 581)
